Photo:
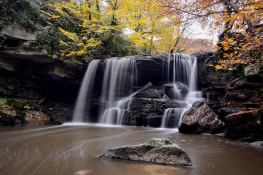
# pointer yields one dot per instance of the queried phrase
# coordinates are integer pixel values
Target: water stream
(64, 150)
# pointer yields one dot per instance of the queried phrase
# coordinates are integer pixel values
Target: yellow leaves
(51, 16)
(225, 45)
(70, 35)
(218, 67)
(62, 43)
(230, 40)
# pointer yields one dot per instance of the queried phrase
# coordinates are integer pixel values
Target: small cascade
(171, 117)
(113, 115)
(184, 74)
(182, 65)
(193, 77)
(85, 91)
(120, 76)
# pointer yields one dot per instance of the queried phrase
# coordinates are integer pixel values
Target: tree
(147, 24)
(239, 21)
(83, 34)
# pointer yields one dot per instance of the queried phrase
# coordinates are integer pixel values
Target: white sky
(197, 32)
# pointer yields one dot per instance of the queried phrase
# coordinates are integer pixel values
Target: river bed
(68, 149)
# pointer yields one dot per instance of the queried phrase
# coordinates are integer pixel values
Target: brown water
(68, 149)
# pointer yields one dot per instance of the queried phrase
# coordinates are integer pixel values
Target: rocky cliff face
(234, 98)
(32, 72)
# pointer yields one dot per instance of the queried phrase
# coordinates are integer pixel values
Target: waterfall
(114, 114)
(85, 91)
(171, 117)
(119, 83)
(120, 76)
(184, 71)
(193, 77)
(182, 65)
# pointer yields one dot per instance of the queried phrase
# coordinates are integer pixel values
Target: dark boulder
(200, 118)
(175, 91)
(148, 111)
(7, 119)
(245, 125)
(149, 93)
(156, 151)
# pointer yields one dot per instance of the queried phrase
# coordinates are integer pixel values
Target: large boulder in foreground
(200, 118)
(245, 125)
(157, 151)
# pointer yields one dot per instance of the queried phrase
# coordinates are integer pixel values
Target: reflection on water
(68, 149)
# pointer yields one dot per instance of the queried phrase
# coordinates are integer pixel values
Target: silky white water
(119, 78)
(184, 71)
(118, 82)
(85, 91)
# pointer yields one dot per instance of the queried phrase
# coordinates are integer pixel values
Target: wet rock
(245, 125)
(148, 111)
(60, 115)
(84, 172)
(157, 151)
(227, 111)
(148, 93)
(239, 96)
(175, 91)
(200, 118)
(7, 119)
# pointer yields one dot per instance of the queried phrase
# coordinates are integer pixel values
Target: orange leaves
(217, 23)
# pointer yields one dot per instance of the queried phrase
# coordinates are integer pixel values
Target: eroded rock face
(200, 118)
(208, 75)
(148, 111)
(16, 31)
(157, 151)
(245, 125)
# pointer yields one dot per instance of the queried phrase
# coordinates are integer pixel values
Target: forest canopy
(103, 28)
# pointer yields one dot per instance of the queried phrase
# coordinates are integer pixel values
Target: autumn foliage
(154, 26)
(240, 24)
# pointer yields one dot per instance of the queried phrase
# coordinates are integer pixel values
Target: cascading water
(171, 117)
(119, 78)
(184, 72)
(119, 81)
(85, 91)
